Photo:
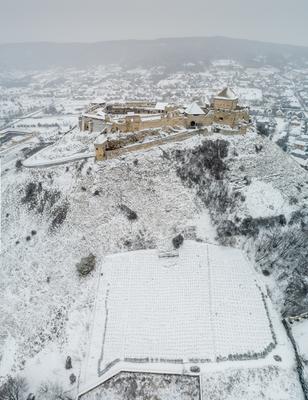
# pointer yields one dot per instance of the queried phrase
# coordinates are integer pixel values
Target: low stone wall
(136, 123)
(129, 139)
(144, 146)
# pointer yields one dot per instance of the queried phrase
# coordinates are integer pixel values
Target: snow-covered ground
(202, 307)
(70, 147)
(300, 334)
(51, 217)
(250, 95)
(47, 308)
(263, 200)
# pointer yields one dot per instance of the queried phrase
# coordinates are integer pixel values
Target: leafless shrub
(13, 388)
(130, 214)
(18, 165)
(52, 391)
(142, 240)
(86, 265)
(177, 241)
(59, 215)
(208, 157)
(38, 198)
(293, 200)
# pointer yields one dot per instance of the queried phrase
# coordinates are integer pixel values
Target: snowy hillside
(203, 308)
(239, 191)
(257, 197)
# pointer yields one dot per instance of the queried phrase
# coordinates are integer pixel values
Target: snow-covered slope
(257, 197)
(53, 217)
(203, 308)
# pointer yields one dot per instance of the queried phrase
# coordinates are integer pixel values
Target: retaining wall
(144, 146)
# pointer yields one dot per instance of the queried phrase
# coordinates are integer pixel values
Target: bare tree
(13, 388)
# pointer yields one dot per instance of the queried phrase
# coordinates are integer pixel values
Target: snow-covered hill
(239, 191)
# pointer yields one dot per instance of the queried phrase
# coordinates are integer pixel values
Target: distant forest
(171, 53)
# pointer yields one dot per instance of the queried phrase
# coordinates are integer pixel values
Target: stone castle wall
(222, 111)
(225, 104)
(134, 124)
(144, 146)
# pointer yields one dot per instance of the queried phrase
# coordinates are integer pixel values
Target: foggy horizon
(73, 22)
(153, 39)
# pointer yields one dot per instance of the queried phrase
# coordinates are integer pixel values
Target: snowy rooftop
(161, 106)
(227, 93)
(101, 139)
(194, 109)
(201, 305)
(98, 100)
(95, 115)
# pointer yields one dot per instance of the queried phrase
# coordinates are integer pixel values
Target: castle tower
(225, 100)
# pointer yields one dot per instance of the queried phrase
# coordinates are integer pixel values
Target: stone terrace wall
(144, 146)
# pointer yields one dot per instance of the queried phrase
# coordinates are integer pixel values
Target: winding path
(57, 161)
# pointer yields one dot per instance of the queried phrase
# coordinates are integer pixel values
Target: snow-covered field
(175, 308)
(203, 306)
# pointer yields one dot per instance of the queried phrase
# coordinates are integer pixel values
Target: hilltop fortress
(222, 114)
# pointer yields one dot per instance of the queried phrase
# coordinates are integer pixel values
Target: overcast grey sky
(281, 21)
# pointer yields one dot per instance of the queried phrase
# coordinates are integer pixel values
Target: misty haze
(154, 200)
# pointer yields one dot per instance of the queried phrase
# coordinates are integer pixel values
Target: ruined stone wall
(231, 118)
(197, 120)
(91, 124)
(136, 123)
(224, 117)
(100, 152)
(144, 146)
(226, 131)
(129, 139)
(98, 125)
(163, 122)
(119, 127)
(131, 125)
